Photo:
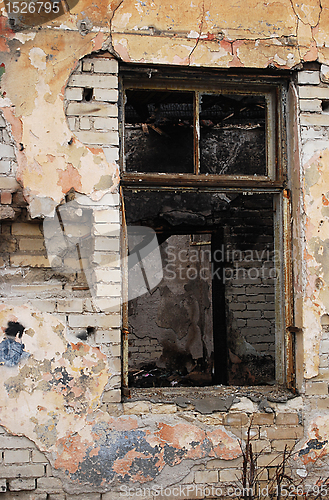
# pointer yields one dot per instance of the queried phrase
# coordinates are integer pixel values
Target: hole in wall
(325, 106)
(325, 320)
(88, 94)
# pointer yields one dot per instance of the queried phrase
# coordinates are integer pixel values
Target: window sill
(211, 399)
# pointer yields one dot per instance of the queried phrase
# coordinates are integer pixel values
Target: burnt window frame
(201, 80)
(140, 78)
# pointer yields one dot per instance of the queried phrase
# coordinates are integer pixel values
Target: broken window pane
(159, 131)
(232, 134)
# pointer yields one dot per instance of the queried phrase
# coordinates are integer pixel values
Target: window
(203, 166)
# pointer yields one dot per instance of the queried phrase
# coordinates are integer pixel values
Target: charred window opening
(199, 133)
(204, 166)
(232, 134)
(159, 131)
(211, 319)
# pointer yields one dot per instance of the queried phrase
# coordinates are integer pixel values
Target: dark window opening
(232, 134)
(211, 319)
(218, 134)
(159, 131)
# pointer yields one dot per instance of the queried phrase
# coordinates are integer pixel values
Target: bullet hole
(84, 335)
(14, 329)
(21, 147)
(84, 26)
(70, 142)
(318, 283)
(325, 320)
(88, 94)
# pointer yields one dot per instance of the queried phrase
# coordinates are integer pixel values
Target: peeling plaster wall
(93, 443)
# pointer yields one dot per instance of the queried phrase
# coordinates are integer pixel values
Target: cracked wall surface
(65, 396)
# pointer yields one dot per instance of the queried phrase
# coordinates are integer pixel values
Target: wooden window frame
(211, 81)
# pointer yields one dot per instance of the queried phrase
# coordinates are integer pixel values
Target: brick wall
(313, 92)
(91, 98)
(69, 265)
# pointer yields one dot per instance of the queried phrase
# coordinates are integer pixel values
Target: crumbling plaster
(37, 66)
(57, 391)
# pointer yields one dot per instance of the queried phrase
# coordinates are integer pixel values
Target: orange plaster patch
(122, 465)
(69, 178)
(74, 452)
(122, 51)
(180, 435)
(98, 41)
(325, 201)
(226, 45)
(312, 53)
(224, 446)
(123, 423)
(94, 452)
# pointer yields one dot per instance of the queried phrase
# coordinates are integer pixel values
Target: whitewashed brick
(308, 78)
(37, 456)
(107, 95)
(92, 80)
(73, 93)
(74, 305)
(312, 105)
(313, 92)
(106, 124)
(87, 65)
(108, 276)
(22, 484)
(9, 442)
(206, 476)
(91, 109)
(7, 151)
(91, 137)
(315, 119)
(104, 243)
(311, 133)
(102, 65)
(109, 200)
(85, 123)
(17, 456)
(111, 153)
(108, 304)
(24, 471)
(108, 336)
(72, 121)
(5, 166)
(106, 259)
(107, 216)
(49, 484)
(108, 290)
(107, 229)
(100, 320)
